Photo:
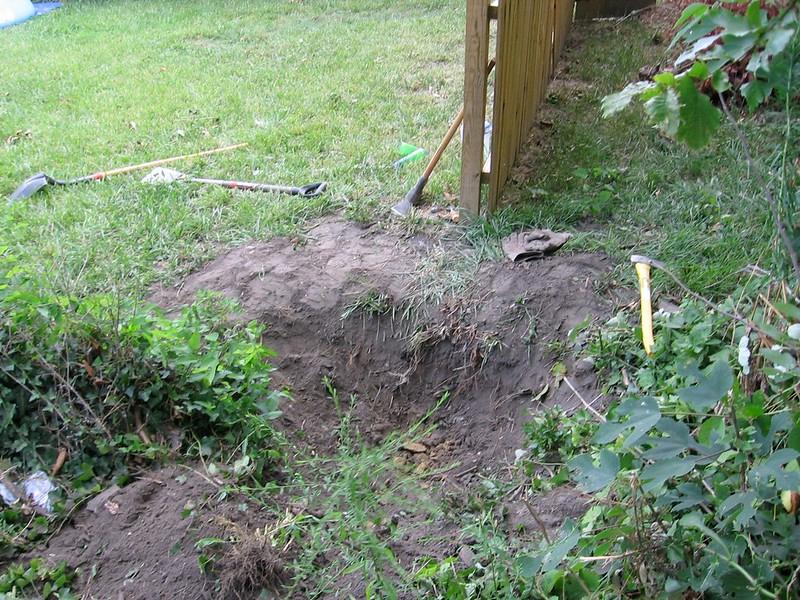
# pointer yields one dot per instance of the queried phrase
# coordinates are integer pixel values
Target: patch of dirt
(662, 17)
(137, 542)
(499, 350)
(546, 512)
(491, 349)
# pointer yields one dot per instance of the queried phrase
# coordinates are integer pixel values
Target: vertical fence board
(475, 58)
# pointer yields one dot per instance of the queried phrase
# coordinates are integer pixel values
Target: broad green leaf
(665, 78)
(206, 368)
(755, 407)
(593, 478)
(793, 439)
(656, 475)
(755, 16)
(711, 431)
(694, 30)
(528, 565)
(693, 11)
(732, 23)
(614, 103)
(558, 552)
(688, 496)
(778, 39)
(733, 47)
(699, 71)
(780, 359)
(772, 473)
(709, 389)
(790, 311)
(676, 441)
(720, 81)
(664, 110)
(698, 47)
(745, 500)
(755, 92)
(194, 341)
(699, 118)
(643, 413)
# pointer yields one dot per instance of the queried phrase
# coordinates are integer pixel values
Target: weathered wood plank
(475, 59)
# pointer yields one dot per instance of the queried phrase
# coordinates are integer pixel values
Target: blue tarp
(42, 8)
(17, 11)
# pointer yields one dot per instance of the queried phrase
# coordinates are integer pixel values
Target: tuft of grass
(353, 500)
(373, 303)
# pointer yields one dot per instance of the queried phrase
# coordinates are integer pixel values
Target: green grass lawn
(319, 90)
(326, 90)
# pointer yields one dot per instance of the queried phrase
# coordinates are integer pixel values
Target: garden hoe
(36, 182)
(161, 175)
(404, 207)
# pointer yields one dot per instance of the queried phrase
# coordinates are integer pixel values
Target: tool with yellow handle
(642, 264)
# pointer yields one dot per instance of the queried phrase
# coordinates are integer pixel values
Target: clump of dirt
(137, 542)
(250, 564)
(491, 348)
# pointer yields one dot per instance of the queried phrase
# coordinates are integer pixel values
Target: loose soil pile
(137, 542)
(491, 348)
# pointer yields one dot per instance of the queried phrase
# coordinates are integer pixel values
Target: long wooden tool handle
(163, 161)
(449, 135)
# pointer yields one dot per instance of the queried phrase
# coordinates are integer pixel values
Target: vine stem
(773, 205)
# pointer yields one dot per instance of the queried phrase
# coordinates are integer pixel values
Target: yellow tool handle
(164, 161)
(643, 271)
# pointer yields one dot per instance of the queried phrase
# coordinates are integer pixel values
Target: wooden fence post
(476, 55)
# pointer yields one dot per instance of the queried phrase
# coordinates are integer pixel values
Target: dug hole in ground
(344, 304)
(364, 311)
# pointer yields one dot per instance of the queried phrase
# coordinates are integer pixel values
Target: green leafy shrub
(109, 380)
(690, 467)
(37, 580)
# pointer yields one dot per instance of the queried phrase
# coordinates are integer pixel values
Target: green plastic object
(409, 154)
(404, 149)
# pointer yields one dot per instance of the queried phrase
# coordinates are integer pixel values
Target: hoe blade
(30, 186)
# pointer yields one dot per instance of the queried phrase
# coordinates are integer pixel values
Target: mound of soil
(491, 349)
(137, 542)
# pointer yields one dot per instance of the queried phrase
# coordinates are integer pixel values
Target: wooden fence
(530, 35)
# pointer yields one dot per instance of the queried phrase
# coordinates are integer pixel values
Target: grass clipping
(250, 564)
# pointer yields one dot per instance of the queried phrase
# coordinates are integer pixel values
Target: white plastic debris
(37, 488)
(744, 354)
(794, 331)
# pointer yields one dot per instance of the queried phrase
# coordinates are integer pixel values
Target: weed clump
(106, 382)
